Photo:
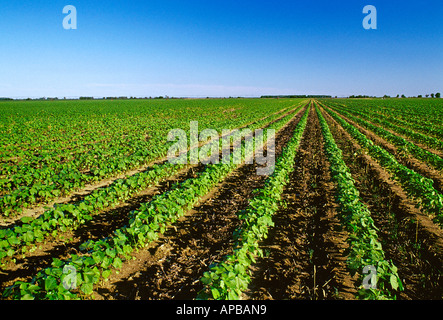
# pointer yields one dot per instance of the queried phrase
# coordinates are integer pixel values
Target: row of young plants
(52, 152)
(403, 144)
(227, 279)
(48, 187)
(39, 177)
(416, 186)
(37, 132)
(37, 183)
(425, 112)
(40, 184)
(58, 180)
(408, 132)
(411, 123)
(99, 258)
(365, 248)
(64, 217)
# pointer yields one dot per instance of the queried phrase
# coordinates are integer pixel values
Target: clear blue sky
(220, 48)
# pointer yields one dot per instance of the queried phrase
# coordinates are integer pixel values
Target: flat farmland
(91, 207)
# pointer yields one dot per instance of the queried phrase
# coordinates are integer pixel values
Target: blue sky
(220, 48)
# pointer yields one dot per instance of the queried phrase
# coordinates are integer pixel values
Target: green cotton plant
(365, 248)
(229, 278)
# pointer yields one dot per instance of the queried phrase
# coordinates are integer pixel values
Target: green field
(90, 208)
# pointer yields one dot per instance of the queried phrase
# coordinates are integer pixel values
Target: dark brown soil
(305, 251)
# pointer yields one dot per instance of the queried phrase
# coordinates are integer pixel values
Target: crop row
(408, 132)
(36, 185)
(66, 217)
(398, 141)
(98, 258)
(416, 186)
(53, 173)
(365, 248)
(229, 278)
(424, 112)
(410, 123)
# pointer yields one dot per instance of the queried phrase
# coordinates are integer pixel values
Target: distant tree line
(297, 96)
(436, 95)
(360, 97)
(432, 95)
